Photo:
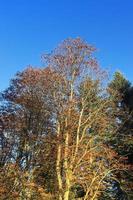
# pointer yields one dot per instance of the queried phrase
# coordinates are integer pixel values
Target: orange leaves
(57, 118)
(2, 190)
(31, 184)
(73, 55)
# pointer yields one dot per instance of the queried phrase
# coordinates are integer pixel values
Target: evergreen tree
(121, 91)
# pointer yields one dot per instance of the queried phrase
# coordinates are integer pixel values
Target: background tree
(26, 122)
(122, 92)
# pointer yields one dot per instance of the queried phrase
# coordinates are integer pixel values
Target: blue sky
(29, 28)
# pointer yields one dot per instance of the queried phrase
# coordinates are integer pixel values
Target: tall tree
(83, 158)
(57, 120)
(122, 92)
(26, 122)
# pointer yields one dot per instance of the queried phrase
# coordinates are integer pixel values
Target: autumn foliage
(56, 124)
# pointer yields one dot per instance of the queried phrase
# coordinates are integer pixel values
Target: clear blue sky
(29, 28)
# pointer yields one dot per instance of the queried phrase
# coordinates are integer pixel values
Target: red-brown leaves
(58, 119)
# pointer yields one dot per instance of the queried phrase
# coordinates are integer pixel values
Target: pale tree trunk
(66, 169)
(58, 164)
(66, 154)
(66, 195)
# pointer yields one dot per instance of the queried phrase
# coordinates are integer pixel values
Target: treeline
(66, 132)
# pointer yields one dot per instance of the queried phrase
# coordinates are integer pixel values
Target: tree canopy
(63, 134)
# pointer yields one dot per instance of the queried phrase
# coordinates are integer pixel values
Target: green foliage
(119, 83)
(122, 92)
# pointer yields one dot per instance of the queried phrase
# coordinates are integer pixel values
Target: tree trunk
(66, 169)
(66, 195)
(58, 167)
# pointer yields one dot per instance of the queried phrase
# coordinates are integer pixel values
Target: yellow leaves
(41, 190)
(30, 184)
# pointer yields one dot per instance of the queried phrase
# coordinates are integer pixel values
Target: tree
(26, 122)
(122, 92)
(83, 158)
(58, 120)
